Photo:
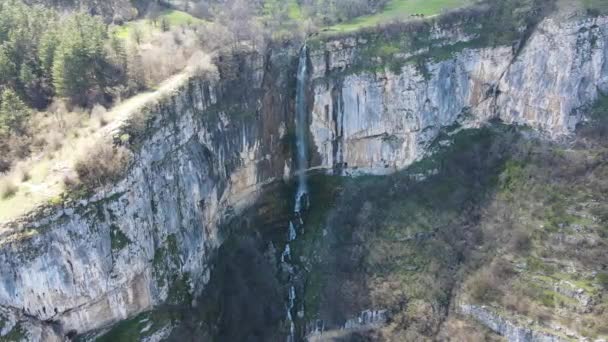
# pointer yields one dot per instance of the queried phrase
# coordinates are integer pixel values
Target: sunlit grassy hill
(146, 25)
(401, 10)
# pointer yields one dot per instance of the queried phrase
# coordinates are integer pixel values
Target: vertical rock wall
(203, 154)
(377, 118)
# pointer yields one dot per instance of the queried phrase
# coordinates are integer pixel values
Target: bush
(24, 175)
(517, 303)
(102, 165)
(70, 182)
(7, 188)
(484, 287)
(98, 115)
(602, 279)
(520, 241)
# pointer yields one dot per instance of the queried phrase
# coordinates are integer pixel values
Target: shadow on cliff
(245, 299)
(399, 243)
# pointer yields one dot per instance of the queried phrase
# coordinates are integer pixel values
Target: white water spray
(301, 133)
(292, 232)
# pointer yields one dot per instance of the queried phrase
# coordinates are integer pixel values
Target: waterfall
(301, 198)
(301, 131)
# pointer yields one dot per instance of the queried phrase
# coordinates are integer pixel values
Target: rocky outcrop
(367, 320)
(200, 155)
(510, 330)
(378, 119)
(584, 299)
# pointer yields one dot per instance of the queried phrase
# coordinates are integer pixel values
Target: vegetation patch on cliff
(505, 220)
(142, 326)
(16, 333)
(546, 233)
(396, 243)
(118, 239)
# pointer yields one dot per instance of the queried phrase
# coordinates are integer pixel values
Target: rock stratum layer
(208, 149)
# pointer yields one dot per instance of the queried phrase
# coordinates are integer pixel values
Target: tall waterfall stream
(301, 198)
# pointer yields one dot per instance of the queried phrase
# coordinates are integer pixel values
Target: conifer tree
(13, 113)
(80, 57)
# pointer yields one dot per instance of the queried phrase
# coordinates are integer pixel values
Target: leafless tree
(153, 12)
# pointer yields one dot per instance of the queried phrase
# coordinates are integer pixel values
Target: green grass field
(400, 10)
(173, 17)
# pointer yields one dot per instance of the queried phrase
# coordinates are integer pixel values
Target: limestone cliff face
(203, 155)
(380, 119)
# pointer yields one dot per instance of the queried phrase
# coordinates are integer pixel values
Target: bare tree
(154, 12)
(136, 35)
(201, 9)
(237, 16)
(164, 24)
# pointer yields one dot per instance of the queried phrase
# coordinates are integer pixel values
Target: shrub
(7, 188)
(520, 241)
(484, 287)
(12, 148)
(70, 182)
(24, 175)
(102, 165)
(517, 303)
(13, 113)
(602, 279)
(98, 115)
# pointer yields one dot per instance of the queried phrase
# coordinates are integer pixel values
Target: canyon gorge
(210, 194)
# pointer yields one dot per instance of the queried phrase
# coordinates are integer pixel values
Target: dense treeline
(44, 54)
(60, 70)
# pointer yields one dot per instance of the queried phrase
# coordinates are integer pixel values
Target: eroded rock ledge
(512, 331)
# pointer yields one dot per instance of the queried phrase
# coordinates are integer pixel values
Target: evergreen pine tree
(13, 113)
